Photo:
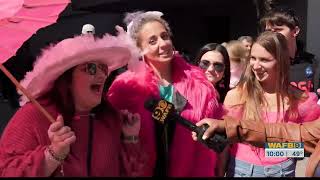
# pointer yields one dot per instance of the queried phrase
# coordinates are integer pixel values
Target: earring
(142, 58)
(173, 51)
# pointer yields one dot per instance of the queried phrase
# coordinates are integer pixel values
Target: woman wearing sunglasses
(88, 138)
(213, 58)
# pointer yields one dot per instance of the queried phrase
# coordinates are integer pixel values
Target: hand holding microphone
(162, 111)
(215, 126)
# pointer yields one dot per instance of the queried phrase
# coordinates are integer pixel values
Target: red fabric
(24, 139)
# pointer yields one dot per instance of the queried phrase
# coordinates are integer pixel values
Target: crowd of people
(253, 89)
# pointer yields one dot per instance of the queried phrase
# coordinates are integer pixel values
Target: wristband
(55, 156)
(131, 139)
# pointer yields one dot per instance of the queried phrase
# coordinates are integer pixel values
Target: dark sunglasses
(205, 64)
(91, 68)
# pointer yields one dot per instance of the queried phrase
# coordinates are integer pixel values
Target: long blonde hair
(238, 53)
(252, 94)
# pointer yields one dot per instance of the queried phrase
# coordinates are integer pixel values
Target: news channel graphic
(287, 149)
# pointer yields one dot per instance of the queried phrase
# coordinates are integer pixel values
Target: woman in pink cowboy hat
(168, 76)
(89, 137)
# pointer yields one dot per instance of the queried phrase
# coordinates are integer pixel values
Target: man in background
(304, 71)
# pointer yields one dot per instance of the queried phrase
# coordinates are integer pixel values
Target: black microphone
(162, 111)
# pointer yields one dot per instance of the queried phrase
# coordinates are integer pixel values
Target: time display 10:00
(284, 153)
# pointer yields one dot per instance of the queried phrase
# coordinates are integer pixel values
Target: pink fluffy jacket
(187, 158)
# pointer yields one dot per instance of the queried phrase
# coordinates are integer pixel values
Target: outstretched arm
(257, 133)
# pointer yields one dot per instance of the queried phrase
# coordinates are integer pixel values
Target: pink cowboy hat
(114, 51)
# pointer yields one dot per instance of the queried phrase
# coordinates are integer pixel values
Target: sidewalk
(301, 167)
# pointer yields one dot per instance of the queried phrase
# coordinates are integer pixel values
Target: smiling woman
(168, 76)
(88, 85)
(263, 65)
(213, 58)
(264, 94)
(89, 137)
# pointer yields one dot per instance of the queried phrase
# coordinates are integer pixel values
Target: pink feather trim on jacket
(187, 158)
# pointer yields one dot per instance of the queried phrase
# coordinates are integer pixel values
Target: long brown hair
(61, 96)
(252, 94)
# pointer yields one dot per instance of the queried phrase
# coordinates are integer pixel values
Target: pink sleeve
(21, 155)
(309, 110)
(218, 112)
(213, 108)
(133, 159)
(125, 92)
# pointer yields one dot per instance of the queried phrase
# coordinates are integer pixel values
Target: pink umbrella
(19, 20)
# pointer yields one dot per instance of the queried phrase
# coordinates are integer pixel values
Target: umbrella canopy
(21, 19)
(68, 24)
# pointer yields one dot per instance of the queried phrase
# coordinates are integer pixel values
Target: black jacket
(304, 71)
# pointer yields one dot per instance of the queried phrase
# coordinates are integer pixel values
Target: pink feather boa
(187, 158)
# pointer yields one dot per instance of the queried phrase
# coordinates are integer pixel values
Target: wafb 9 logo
(161, 112)
(287, 149)
(286, 145)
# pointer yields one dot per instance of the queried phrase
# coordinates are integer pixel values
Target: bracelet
(55, 156)
(131, 139)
